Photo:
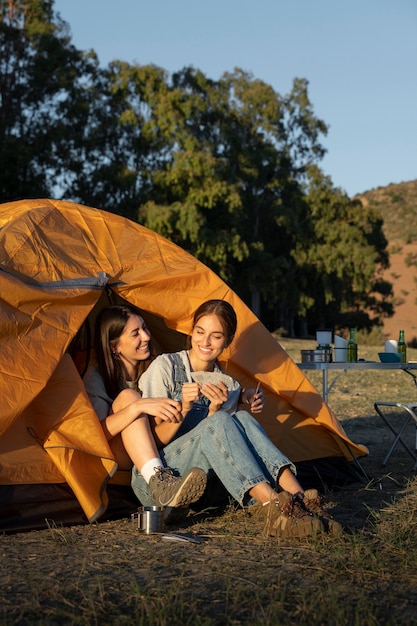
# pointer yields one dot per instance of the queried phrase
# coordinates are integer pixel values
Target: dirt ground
(402, 275)
(110, 573)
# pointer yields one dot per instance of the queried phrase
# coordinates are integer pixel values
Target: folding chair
(410, 409)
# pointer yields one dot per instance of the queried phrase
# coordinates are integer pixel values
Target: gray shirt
(96, 390)
(159, 382)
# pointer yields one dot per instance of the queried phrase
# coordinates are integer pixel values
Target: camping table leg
(325, 382)
(326, 387)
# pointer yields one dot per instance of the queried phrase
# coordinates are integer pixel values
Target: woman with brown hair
(122, 346)
(217, 435)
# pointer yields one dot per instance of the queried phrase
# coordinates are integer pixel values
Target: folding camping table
(409, 408)
(343, 367)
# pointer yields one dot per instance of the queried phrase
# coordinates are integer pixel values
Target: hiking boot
(177, 491)
(313, 502)
(286, 517)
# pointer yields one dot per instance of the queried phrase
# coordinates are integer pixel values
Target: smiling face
(133, 344)
(208, 340)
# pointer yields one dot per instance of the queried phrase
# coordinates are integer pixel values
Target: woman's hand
(190, 393)
(254, 398)
(217, 394)
(165, 409)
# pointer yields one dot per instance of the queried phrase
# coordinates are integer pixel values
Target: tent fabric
(56, 437)
(59, 261)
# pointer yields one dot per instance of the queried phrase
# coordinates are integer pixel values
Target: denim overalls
(235, 447)
(200, 406)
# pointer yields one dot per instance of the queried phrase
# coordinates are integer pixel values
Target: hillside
(397, 205)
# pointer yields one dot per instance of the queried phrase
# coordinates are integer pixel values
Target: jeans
(235, 447)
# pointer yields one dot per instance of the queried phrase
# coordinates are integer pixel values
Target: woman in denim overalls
(218, 437)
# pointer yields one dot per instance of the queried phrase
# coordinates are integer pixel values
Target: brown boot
(177, 491)
(313, 502)
(286, 517)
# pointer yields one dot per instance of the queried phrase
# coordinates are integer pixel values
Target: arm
(129, 406)
(112, 422)
(158, 380)
(165, 432)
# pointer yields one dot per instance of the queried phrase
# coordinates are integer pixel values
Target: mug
(391, 345)
(150, 519)
(340, 355)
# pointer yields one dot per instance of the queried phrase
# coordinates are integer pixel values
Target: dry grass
(109, 574)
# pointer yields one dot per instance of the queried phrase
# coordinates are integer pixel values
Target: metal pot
(322, 355)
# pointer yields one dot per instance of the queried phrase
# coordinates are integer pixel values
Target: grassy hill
(397, 204)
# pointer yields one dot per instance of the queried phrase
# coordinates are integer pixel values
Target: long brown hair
(110, 324)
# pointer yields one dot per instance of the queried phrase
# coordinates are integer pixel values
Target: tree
(340, 259)
(226, 169)
(241, 190)
(270, 145)
(229, 188)
(109, 164)
(41, 75)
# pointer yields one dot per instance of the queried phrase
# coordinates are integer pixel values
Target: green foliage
(238, 152)
(340, 258)
(396, 198)
(411, 260)
(40, 76)
(226, 169)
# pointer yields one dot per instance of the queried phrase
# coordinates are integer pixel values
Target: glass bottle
(402, 347)
(352, 349)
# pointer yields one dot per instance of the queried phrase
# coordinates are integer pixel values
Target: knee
(244, 417)
(125, 397)
(249, 423)
(220, 419)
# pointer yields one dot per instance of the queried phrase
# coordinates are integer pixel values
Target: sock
(148, 470)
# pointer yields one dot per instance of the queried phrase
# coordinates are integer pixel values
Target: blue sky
(360, 58)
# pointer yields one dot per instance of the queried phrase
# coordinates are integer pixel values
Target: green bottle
(352, 349)
(402, 348)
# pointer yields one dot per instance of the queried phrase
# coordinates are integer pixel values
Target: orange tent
(60, 262)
